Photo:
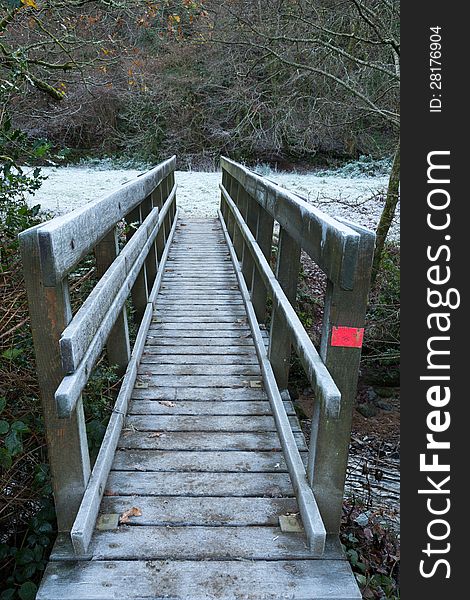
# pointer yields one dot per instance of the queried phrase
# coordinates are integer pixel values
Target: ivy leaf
(4, 427)
(3, 403)
(28, 591)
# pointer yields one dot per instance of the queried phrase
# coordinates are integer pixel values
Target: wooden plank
(200, 394)
(62, 242)
(213, 512)
(125, 483)
(237, 325)
(200, 359)
(331, 244)
(161, 340)
(158, 461)
(239, 354)
(203, 423)
(311, 519)
(220, 441)
(150, 365)
(198, 543)
(188, 407)
(195, 580)
(227, 381)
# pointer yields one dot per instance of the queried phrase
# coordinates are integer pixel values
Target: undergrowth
(27, 517)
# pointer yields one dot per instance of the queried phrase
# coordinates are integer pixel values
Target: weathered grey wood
(261, 580)
(118, 347)
(150, 366)
(203, 423)
(272, 485)
(62, 241)
(83, 525)
(221, 341)
(194, 511)
(287, 274)
(264, 238)
(140, 287)
(237, 353)
(219, 381)
(198, 543)
(220, 359)
(72, 340)
(189, 440)
(97, 315)
(325, 388)
(314, 528)
(238, 326)
(187, 461)
(182, 407)
(151, 262)
(327, 464)
(66, 440)
(332, 245)
(197, 394)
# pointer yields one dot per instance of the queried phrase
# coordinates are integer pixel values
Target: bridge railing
(250, 206)
(67, 347)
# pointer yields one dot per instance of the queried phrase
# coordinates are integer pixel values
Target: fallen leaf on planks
(132, 512)
(167, 403)
(157, 434)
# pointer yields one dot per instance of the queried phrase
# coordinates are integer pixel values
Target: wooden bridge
(204, 486)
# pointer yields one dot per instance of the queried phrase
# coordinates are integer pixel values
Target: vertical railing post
(330, 438)
(157, 197)
(287, 273)
(140, 290)
(151, 262)
(118, 346)
(264, 237)
(249, 212)
(50, 313)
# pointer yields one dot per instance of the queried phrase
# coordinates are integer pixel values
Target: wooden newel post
(287, 273)
(49, 309)
(118, 346)
(341, 353)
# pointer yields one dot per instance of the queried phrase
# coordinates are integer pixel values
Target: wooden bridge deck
(200, 457)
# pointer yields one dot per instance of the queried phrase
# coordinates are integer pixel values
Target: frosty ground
(358, 198)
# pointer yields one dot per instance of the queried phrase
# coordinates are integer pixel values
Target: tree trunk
(388, 213)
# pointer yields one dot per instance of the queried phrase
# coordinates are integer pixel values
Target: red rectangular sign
(348, 337)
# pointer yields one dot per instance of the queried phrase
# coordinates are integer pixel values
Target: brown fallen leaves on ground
(132, 512)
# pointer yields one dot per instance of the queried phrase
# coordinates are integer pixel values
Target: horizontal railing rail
(67, 347)
(250, 208)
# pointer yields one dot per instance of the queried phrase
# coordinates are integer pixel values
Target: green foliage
(373, 553)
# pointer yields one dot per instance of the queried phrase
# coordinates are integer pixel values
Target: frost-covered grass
(356, 196)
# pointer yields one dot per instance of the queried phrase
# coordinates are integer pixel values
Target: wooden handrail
(65, 240)
(250, 208)
(324, 387)
(331, 244)
(67, 348)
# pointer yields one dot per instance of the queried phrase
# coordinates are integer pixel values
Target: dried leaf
(157, 434)
(132, 512)
(167, 403)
